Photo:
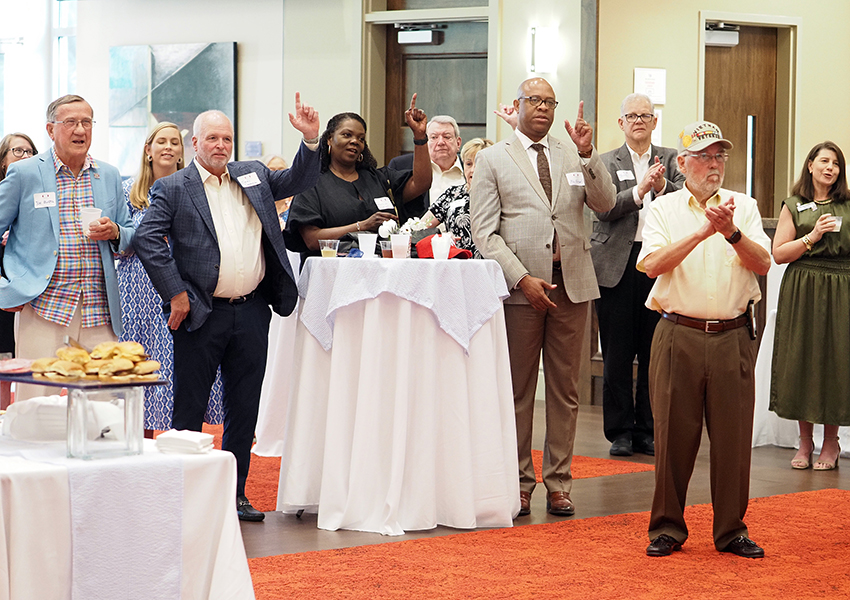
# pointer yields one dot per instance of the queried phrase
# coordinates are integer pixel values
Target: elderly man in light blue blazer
(527, 207)
(59, 275)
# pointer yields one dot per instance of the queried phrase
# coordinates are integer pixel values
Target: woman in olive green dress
(810, 379)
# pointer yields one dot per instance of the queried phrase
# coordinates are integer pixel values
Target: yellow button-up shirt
(711, 282)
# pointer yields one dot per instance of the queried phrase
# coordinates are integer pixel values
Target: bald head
(212, 139)
(534, 116)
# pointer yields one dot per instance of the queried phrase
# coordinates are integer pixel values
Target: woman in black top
(353, 195)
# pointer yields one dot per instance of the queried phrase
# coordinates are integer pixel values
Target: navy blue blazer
(180, 213)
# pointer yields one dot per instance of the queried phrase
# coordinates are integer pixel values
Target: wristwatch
(735, 237)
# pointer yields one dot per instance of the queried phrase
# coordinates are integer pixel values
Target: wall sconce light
(544, 44)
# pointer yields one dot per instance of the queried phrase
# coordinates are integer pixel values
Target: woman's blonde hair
(473, 146)
(143, 183)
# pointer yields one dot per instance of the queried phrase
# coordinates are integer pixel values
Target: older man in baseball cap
(705, 247)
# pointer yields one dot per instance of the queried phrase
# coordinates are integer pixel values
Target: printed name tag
(248, 180)
(384, 203)
(44, 199)
(810, 205)
(625, 176)
(576, 178)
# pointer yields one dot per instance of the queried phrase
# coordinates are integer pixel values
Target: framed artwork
(165, 82)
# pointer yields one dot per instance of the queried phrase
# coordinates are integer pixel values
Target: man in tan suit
(526, 203)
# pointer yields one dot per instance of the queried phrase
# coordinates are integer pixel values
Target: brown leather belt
(706, 325)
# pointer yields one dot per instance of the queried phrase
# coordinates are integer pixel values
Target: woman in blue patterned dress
(141, 305)
(452, 207)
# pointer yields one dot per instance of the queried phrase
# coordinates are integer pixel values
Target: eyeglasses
(632, 117)
(705, 157)
(536, 100)
(71, 124)
(20, 152)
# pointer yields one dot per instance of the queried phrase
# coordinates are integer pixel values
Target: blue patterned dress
(144, 322)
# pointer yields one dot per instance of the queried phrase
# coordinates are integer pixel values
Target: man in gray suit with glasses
(527, 207)
(641, 172)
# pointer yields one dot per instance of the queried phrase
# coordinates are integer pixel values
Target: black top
(335, 202)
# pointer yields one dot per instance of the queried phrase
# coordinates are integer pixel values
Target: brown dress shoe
(663, 545)
(524, 504)
(559, 503)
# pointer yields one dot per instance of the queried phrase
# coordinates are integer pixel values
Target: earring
(150, 158)
(179, 159)
(360, 158)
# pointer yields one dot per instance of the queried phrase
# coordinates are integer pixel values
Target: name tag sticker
(576, 178)
(248, 180)
(808, 206)
(384, 203)
(44, 199)
(625, 175)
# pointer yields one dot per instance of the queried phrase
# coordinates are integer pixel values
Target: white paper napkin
(184, 442)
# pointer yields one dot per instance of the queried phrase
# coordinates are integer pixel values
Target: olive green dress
(810, 377)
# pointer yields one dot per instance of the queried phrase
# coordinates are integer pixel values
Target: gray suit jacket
(189, 261)
(614, 231)
(514, 223)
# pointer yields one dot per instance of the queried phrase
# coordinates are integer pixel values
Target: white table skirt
(397, 427)
(768, 428)
(36, 541)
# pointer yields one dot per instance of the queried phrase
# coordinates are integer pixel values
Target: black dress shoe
(663, 545)
(645, 447)
(622, 446)
(247, 512)
(744, 546)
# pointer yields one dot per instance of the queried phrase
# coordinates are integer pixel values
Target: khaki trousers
(693, 374)
(559, 333)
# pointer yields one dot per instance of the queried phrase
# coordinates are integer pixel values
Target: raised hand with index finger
(305, 119)
(582, 133)
(416, 119)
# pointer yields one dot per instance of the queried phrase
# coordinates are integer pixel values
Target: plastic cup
(367, 242)
(386, 249)
(328, 248)
(440, 246)
(400, 244)
(87, 215)
(837, 223)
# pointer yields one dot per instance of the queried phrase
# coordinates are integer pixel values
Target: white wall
(312, 47)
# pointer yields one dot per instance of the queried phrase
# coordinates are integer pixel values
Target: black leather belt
(706, 325)
(237, 299)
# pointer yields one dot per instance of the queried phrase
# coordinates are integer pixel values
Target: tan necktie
(543, 170)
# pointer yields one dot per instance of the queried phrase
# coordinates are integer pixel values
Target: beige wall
(515, 19)
(667, 36)
(280, 49)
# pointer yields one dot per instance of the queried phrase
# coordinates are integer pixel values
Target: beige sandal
(800, 460)
(822, 465)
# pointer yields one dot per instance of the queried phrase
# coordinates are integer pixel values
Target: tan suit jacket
(514, 223)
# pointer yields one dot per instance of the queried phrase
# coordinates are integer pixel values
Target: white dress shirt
(239, 233)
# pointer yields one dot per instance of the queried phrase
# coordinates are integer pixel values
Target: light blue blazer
(33, 247)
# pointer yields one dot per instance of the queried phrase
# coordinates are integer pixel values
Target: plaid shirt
(79, 271)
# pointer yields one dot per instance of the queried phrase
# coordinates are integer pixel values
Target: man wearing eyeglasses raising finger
(641, 172)
(705, 247)
(60, 273)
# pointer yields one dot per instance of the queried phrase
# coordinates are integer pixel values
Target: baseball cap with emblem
(699, 135)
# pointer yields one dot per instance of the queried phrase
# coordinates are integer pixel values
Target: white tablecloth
(400, 424)
(769, 429)
(39, 531)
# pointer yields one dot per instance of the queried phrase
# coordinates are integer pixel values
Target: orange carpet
(262, 482)
(598, 558)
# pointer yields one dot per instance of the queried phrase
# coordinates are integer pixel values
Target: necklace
(349, 177)
(823, 202)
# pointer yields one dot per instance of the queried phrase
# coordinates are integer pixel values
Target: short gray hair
(446, 119)
(636, 96)
(201, 118)
(66, 99)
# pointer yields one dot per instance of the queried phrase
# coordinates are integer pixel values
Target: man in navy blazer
(59, 275)
(212, 245)
(641, 172)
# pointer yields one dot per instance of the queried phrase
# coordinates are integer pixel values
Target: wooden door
(448, 79)
(740, 93)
